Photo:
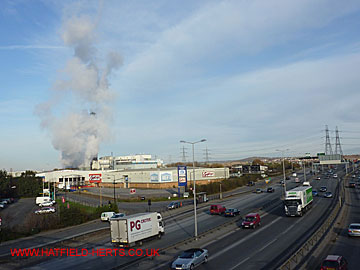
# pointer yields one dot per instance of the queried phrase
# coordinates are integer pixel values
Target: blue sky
(249, 76)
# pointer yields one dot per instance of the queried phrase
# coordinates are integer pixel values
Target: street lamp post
(283, 158)
(193, 143)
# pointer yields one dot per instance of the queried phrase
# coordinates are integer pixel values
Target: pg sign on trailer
(95, 178)
(182, 176)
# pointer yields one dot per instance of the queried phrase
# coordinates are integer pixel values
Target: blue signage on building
(182, 176)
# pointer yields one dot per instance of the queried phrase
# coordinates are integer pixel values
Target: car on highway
(251, 183)
(335, 175)
(270, 190)
(217, 209)
(323, 189)
(118, 215)
(2, 205)
(251, 221)
(354, 229)
(258, 190)
(45, 210)
(352, 185)
(335, 262)
(314, 193)
(173, 205)
(232, 212)
(105, 216)
(190, 258)
(318, 178)
(328, 194)
(46, 204)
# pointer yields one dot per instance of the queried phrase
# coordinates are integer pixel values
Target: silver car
(190, 258)
(354, 229)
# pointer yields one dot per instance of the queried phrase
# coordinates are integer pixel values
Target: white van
(40, 200)
(105, 216)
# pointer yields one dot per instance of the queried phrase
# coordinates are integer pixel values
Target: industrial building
(131, 178)
(142, 161)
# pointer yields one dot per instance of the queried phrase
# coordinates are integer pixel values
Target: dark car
(251, 183)
(352, 185)
(232, 212)
(323, 189)
(314, 193)
(270, 190)
(251, 221)
(336, 262)
(174, 205)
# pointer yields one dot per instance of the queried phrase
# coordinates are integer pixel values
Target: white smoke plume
(78, 116)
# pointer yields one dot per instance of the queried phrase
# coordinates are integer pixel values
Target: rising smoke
(78, 117)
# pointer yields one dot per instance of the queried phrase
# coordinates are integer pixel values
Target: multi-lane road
(264, 247)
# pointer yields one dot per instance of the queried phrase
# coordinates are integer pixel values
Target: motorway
(349, 247)
(245, 249)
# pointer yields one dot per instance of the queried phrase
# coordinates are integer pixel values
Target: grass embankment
(67, 214)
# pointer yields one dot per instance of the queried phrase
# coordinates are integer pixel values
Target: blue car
(314, 193)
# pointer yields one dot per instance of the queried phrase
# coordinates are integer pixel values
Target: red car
(335, 262)
(217, 209)
(251, 221)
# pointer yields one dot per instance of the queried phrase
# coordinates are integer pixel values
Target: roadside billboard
(208, 174)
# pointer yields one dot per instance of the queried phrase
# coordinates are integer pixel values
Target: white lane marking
(240, 263)
(244, 239)
(268, 244)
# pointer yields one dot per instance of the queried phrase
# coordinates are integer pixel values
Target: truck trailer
(298, 200)
(130, 230)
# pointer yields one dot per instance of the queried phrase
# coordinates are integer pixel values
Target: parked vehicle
(323, 189)
(294, 174)
(354, 229)
(232, 212)
(174, 205)
(328, 194)
(45, 210)
(335, 175)
(270, 190)
(334, 262)
(298, 200)
(105, 216)
(186, 195)
(2, 205)
(40, 200)
(217, 209)
(190, 258)
(251, 183)
(251, 221)
(258, 190)
(50, 203)
(130, 230)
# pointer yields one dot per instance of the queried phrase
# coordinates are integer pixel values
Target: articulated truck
(130, 230)
(298, 201)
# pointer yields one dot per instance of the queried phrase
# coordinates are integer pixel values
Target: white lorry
(130, 230)
(298, 200)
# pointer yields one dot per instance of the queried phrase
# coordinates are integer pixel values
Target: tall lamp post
(192, 144)
(283, 158)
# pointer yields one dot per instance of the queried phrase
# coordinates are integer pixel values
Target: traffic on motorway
(222, 223)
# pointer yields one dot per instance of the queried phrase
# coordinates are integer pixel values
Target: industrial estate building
(131, 178)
